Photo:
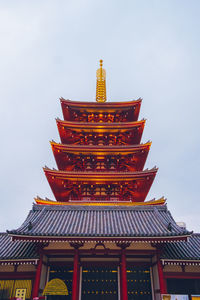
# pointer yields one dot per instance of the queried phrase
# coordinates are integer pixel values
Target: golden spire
(101, 84)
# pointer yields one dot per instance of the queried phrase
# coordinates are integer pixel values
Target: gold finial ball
(101, 62)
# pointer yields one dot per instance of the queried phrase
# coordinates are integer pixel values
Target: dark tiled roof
(15, 249)
(184, 251)
(92, 221)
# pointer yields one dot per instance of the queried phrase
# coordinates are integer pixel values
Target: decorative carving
(108, 138)
(105, 162)
(76, 245)
(99, 192)
(106, 117)
(101, 246)
(123, 245)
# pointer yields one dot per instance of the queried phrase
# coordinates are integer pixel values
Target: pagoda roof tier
(107, 149)
(106, 133)
(87, 223)
(120, 186)
(90, 111)
(76, 157)
(47, 201)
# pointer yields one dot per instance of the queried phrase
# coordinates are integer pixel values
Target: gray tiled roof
(15, 249)
(184, 251)
(104, 221)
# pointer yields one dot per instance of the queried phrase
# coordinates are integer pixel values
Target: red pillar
(163, 288)
(123, 285)
(75, 285)
(37, 278)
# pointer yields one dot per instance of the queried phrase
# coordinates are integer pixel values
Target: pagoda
(100, 159)
(100, 238)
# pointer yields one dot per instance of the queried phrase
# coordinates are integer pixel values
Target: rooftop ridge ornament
(101, 84)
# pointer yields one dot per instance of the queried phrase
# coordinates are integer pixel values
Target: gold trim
(101, 84)
(76, 149)
(160, 201)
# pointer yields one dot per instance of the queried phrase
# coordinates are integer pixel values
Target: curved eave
(84, 223)
(97, 176)
(160, 201)
(60, 182)
(81, 239)
(85, 104)
(98, 127)
(66, 148)
(71, 132)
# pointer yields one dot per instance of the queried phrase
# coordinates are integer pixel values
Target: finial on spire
(101, 84)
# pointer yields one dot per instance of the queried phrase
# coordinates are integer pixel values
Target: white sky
(50, 49)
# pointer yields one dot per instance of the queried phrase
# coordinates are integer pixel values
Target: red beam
(139, 263)
(17, 275)
(99, 263)
(185, 275)
(93, 251)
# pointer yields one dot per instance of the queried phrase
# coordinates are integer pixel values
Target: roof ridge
(99, 208)
(29, 222)
(196, 234)
(3, 233)
(61, 221)
(101, 173)
(169, 225)
(35, 221)
(92, 103)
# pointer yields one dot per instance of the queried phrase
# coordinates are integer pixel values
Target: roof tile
(16, 249)
(104, 221)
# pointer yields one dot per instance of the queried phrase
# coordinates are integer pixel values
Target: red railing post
(163, 288)
(124, 288)
(75, 280)
(37, 277)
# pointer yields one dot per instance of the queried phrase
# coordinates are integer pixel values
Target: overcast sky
(50, 49)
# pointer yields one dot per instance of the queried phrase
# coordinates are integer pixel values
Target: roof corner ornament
(101, 84)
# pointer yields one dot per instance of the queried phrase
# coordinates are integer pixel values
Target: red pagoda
(99, 238)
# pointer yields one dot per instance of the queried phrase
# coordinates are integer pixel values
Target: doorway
(99, 283)
(139, 283)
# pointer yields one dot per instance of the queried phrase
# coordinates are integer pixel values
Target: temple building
(100, 238)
